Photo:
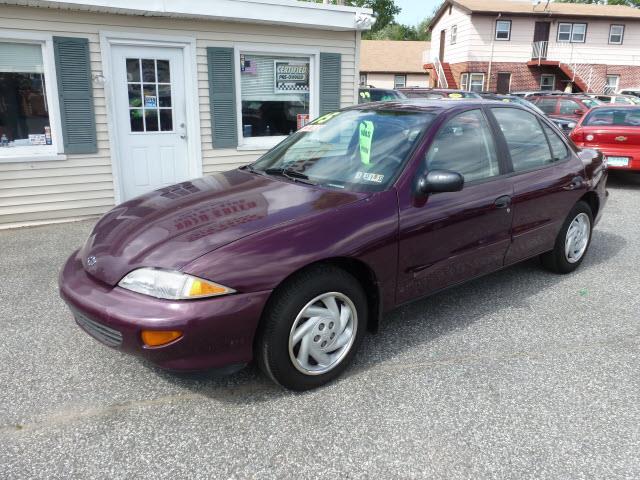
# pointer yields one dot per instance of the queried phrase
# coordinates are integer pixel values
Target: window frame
(547, 75)
(622, 26)
(464, 80)
(471, 74)
(504, 168)
(504, 146)
(35, 153)
(313, 55)
(363, 83)
(508, 31)
(395, 78)
(617, 85)
(571, 32)
(453, 35)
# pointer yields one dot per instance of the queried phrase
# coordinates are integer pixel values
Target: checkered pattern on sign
(293, 87)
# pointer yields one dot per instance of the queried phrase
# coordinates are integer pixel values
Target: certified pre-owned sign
(291, 77)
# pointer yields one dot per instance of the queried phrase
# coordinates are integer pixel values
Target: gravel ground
(522, 374)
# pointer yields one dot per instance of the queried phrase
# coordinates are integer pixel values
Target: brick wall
(524, 77)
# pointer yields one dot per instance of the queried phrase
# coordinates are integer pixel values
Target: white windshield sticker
(370, 177)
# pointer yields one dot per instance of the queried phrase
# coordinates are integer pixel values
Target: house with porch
(512, 45)
(105, 100)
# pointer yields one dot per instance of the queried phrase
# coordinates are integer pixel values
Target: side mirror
(440, 181)
(578, 112)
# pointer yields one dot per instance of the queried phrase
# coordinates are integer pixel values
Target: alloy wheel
(577, 238)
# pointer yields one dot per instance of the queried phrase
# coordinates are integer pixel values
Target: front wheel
(572, 242)
(312, 328)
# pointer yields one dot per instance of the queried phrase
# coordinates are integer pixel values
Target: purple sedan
(289, 261)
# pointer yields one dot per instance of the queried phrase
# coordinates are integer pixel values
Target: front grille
(102, 333)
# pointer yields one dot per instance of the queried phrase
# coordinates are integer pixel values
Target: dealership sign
(291, 77)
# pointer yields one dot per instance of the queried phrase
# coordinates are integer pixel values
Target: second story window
(503, 30)
(616, 34)
(572, 32)
(399, 81)
(454, 34)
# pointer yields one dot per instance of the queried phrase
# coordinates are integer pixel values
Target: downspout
(493, 43)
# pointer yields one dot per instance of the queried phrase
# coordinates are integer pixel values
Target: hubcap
(577, 238)
(323, 333)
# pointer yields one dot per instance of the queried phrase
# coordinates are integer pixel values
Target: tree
(385, 10)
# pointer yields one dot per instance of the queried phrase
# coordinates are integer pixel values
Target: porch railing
(539, 50)
(442, 80)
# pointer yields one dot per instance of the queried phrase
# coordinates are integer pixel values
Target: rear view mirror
(440, 181)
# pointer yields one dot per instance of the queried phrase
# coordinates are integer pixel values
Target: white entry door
(150, 117)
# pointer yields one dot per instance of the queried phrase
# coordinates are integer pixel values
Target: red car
(615, 131)
(564, 106)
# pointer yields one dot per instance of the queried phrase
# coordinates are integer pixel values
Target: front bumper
(217, 332)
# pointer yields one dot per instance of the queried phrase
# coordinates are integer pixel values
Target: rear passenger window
(547, 105)
(465, 145)
(558, 147)
(569, 107)
(526, 141)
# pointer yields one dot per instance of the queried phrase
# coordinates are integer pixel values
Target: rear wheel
(572, 242)
(312, 328)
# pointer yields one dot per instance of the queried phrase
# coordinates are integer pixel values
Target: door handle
(576, 182)
(503, 202)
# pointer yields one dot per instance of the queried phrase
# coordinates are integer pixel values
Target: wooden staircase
(448, 74)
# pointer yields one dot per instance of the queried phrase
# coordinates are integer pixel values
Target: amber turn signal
(156, 338)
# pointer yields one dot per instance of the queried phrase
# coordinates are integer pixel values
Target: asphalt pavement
(522, 374)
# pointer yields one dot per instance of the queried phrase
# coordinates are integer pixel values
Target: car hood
(171, 227)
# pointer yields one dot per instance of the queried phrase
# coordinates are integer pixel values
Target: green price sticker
(366, 136)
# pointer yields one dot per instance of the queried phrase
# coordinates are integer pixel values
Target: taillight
(577, 135)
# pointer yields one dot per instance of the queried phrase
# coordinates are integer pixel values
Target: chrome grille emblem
(91, 261)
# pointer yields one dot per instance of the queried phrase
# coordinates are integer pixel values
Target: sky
(414, 11)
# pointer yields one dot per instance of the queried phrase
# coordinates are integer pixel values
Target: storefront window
(274, 91)
(24, 113)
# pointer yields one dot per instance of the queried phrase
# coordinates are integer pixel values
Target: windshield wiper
(290, 174)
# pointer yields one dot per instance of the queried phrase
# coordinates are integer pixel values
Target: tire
(279, 352)
(558, 260)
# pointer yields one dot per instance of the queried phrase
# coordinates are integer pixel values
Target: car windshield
(360, 150)
(591, 102)
(614, 117)
(377, 95)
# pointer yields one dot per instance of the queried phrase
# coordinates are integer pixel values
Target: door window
(569, 107)
(547, 105)
(150, 100)
(465, 145)
(525, 139)
(558, 147)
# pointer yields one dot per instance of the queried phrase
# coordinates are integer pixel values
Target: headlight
(171, 285)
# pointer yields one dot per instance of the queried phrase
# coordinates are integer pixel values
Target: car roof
(429, 105)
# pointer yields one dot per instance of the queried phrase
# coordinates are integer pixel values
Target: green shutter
(222, 97)
(73, 69)
(330, 80)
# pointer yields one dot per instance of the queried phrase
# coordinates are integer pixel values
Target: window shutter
(330, 80)
(73, 69)
(222, 97)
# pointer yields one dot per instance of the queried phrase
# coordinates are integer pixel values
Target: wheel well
(591, 199)
(363, 273)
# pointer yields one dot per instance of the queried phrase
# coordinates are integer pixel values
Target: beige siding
(457, 52)
(595, 50)
(386, 80)
(83, 184)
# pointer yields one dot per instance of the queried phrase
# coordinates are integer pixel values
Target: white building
(102, 100)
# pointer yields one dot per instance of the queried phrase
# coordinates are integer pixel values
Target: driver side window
(465, 145)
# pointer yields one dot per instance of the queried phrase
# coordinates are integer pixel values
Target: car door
(446, 238)
(547, 181)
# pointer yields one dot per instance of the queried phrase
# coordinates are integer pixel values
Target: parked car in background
(564, 124)
(529, 93)
(630, 91)
(564, 106)
(437, 93)
(373, 94)
(291, 259)
(619, 99)
(615, 131)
